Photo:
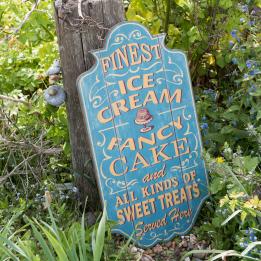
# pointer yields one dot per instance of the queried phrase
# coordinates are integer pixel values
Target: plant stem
(155, 9)
(166, 26)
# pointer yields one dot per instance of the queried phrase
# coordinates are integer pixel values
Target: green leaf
(225, 254)
(236, 180)
(193, 34)
(258, 116)
(99, 240)
(83, 235)
(243, 216)
(173, 31)
(155, 27)
(181, 2)
(14, 247)
(233, 108)
(250, 163)
(227, 130)
(124, 248)
(9, 253)
(46, 250)
(220, 61)
(230, 113)
(250, 247)
(57, 245)
(69, 247)
(54, 226)
(200, 252)
(216, 185)
(257, 93)
(225, 4)
(231, 216)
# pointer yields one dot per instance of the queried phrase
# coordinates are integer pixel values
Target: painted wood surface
(79, 33)
(140, 115)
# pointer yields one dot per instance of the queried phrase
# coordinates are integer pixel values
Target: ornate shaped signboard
(140, 115)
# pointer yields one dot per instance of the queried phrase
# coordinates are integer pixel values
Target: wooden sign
(138, 105)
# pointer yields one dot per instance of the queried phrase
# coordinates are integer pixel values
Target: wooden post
(81, 27)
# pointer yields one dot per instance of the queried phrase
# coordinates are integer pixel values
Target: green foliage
(44, 241)
(34, 151)
(98, 240)
(235, 205)
(28, 51)
(222, 41)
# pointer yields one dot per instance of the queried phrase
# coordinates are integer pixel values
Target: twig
(4, 97)
(18, 129)
(27, 16)
(41, 144)
(6, 163)
(27, 164)
(4, 178)
(36, 149)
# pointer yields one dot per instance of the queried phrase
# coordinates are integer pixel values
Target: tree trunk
(81, 27)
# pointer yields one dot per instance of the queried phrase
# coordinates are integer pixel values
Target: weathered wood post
(81, 27)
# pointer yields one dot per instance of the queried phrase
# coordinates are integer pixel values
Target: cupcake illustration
(143, 117)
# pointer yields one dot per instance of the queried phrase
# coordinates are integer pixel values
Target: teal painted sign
(138, 105)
